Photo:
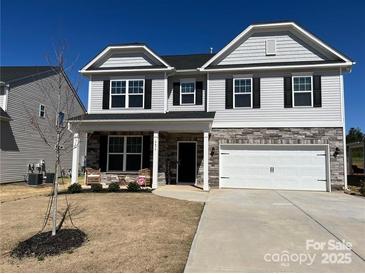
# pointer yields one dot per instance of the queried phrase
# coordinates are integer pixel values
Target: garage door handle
(224, 177)
(321, 180)
(224, 153)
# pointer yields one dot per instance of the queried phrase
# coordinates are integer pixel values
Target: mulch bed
(44, 244)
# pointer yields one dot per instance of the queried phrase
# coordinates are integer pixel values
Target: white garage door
(273, 167)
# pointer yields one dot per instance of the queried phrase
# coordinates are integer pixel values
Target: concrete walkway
(182, 192)
(267, 231)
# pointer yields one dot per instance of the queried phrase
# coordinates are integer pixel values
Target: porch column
(206, 162)
(75, 158)
(155, 160)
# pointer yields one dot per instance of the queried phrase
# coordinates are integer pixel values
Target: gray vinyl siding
(22, 144)
(96, 93)
(253, 50)
(173, 79)
(272, 112)
(122, 60)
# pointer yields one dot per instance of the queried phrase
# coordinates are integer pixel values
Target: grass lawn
(127, 232)
(15, 191)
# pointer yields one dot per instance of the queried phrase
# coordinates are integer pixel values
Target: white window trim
(307, 91)
(234, 92)
(185, 81)
(124, 153)
(126, 94)
(39, 111)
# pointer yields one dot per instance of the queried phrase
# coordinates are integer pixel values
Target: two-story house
(30, 93)
(266, 111)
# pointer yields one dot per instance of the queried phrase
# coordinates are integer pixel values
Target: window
(242, 96)
(135, 91)
(302, 91)
(187, 93)
(42, 111)
(125, 153)
(127, 93)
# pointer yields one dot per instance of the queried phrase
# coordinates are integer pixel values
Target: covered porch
(174, 146)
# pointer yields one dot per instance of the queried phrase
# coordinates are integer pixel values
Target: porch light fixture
(212, 152)
(336, 153)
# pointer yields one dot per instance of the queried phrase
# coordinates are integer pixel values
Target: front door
(186, 162)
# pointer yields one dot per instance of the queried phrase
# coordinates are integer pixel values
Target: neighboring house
(266, 111)
(28, 91)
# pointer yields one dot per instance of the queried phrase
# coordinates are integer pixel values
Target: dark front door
(186, 164)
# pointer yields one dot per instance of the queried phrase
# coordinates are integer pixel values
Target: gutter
(347, 64)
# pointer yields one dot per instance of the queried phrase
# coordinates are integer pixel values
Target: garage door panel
(273, 168)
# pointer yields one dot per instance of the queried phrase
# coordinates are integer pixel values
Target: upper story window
(187, 92)
(242, 96)
(302, 91)
(127, 93)
(42, 111)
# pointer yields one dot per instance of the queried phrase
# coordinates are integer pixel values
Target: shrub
(134, 187)
(362, 189)
(113, 187)
(96, 187)
(74, 188)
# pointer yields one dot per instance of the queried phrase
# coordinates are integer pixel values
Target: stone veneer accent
(167, 152)
(331, 136)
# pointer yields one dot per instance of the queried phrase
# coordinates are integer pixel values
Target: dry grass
(127, 232)
(16, 191)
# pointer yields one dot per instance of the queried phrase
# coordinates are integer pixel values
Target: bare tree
(52, 128)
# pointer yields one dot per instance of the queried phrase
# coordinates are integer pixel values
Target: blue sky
(31, 29)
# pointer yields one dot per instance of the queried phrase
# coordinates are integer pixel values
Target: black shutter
(229, 93)
(288, 102)
(106, 93)
(176, 94)
(147, 94)
(199, 93)
(103, 152)
(256, 93)
(146, 151)
(317, 91)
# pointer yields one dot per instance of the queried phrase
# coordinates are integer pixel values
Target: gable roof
(291, 25)
(19, 75)
(12, 74)
(187, 61)
(143, 46)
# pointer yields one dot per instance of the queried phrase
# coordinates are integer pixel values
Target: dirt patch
(44, 244)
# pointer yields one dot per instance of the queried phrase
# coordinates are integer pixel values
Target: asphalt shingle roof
(147, 116)
(188, 61)
(4, 114)
(9, 74)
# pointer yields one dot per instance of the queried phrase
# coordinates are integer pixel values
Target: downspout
(343, 129)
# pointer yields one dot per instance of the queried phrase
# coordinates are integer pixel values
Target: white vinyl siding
(272, 112)
(126, 61)
(253, 50)
(187, 107)
(96, 94)
(23, 143)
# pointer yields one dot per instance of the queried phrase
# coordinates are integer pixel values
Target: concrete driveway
(279, 231)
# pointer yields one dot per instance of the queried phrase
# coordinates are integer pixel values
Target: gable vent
(270, 47)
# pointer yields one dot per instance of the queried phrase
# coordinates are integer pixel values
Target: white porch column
(75, 158)
(155, 160)
(206, 162)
